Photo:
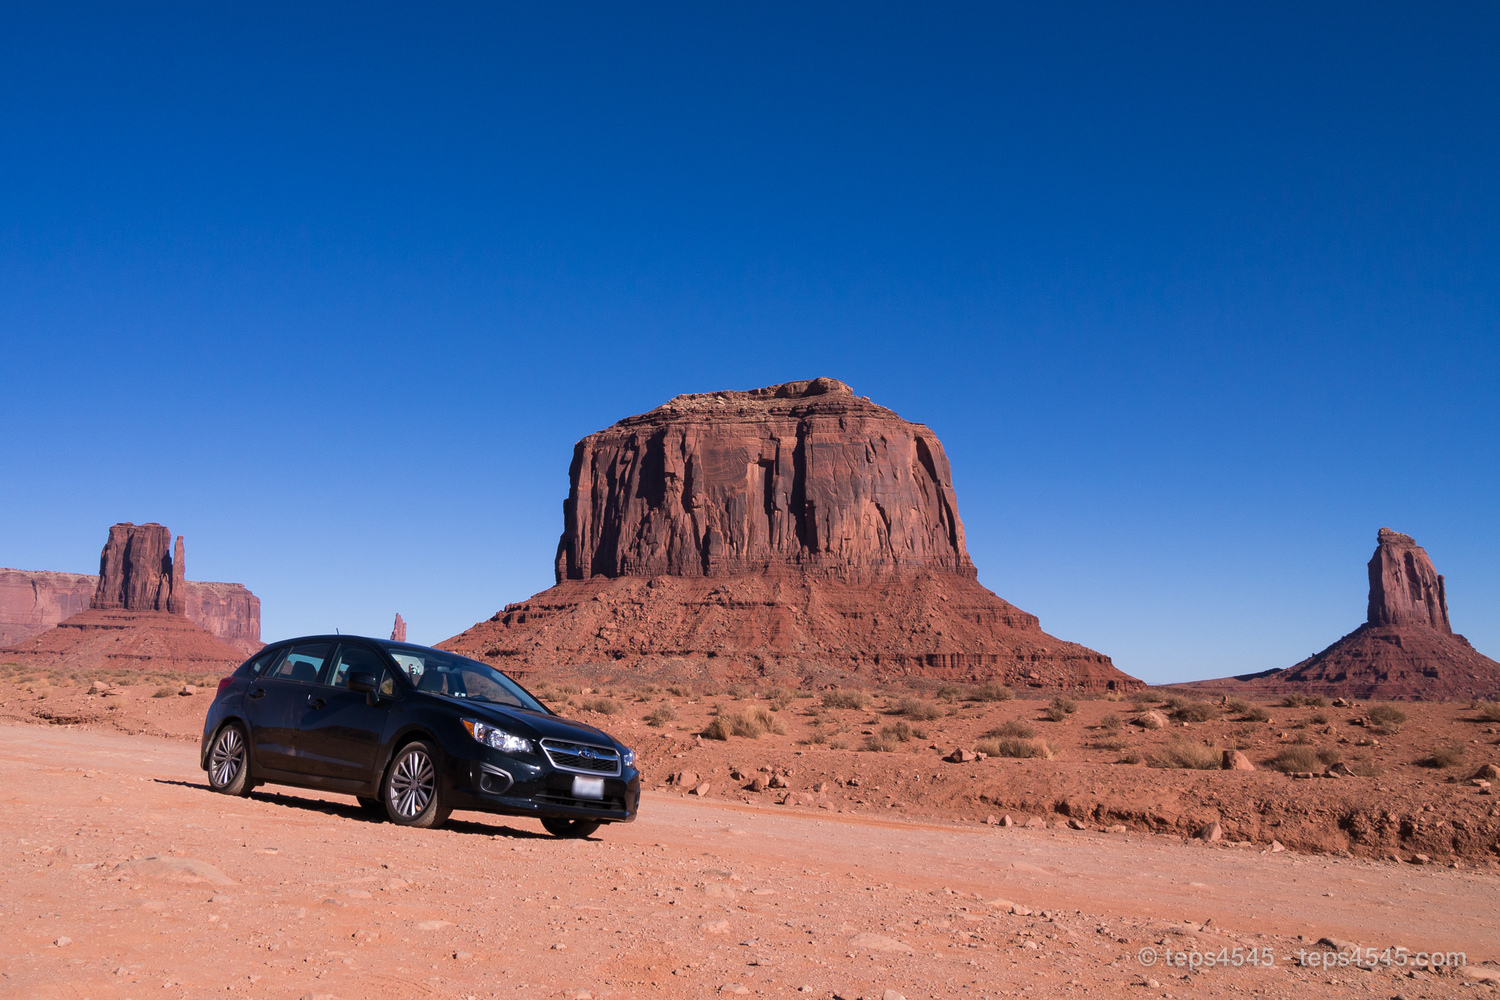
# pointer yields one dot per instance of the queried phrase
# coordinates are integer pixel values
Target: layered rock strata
(796, 533)
(138, 574)
(1405, 650)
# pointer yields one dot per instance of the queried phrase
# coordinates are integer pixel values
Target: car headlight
(499, 739)
(628, 757)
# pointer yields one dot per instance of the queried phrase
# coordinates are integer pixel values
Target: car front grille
(580, 758)
(594, 805)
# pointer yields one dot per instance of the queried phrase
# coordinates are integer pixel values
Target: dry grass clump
(604, 706)
(1111, 723)
(739, 692)
(780, 697)
(1012, 746)
(846, 699)
(990, 692)
(163, 692)
(1187, 710)
(1059, 709)
(1300, 700)
(748, 722)
(889, 738)
(661, 715)
(1388, 718)
(1014, 728)
(1255, 714)
(916, 708)
(1447, 756)
(1489, 711)
(949, 693)
(1186, 754)
(1140, 699)
(1295, 758)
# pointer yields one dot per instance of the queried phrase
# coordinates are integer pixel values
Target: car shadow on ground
(352, 811)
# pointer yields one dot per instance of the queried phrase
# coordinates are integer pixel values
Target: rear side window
(263, 662)
(303, 662)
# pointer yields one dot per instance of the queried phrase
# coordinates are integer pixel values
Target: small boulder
(1151, 720)
(960, 756)
(700, 789)
(758, 785)
(1340, 769)
(1234, 760)
(188, 690)
(1007, 821)
(778, 781)
(1212, 833)
(1035, 823)
(1488, 772)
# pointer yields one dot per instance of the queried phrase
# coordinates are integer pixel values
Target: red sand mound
(797, 532)
(111, 638)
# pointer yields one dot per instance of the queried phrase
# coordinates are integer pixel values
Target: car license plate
(588, 788)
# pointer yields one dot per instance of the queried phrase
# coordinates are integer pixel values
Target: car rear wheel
(229, 762)
(413, 792)
(571, 828)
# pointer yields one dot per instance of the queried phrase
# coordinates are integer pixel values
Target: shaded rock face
(798, 534)
(1404, 588)
(803, 477)
(1405, 650)
(138, 575)
(135, 569)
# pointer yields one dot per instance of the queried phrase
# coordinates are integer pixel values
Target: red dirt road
(102, 834)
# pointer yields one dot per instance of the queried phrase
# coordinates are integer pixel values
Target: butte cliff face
(141, 573)
(797, 532)
(1405, 650)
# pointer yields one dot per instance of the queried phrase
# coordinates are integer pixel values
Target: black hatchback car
(413, 733)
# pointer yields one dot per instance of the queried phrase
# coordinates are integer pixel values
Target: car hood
(537, 725)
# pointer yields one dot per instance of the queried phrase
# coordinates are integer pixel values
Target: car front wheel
(229, 762)
(413, 792)
(571, 828)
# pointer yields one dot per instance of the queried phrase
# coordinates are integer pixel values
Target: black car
(413, 733)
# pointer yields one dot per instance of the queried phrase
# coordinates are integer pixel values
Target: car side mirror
(361, 681)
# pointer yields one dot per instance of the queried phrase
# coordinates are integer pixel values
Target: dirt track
(693, 897)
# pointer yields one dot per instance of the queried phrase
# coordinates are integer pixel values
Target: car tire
(573, 829)
(374, 807)
(413, 792)
(229, 762)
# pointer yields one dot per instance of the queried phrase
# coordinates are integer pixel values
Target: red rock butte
(1405, 651)
(798, 533)
(139, 611)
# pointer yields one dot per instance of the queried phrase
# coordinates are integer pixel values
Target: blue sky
(1196, 297)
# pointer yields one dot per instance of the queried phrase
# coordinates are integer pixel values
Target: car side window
(356, 659)
(303, 662)
(263, 662)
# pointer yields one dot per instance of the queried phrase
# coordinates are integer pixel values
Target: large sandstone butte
(1405, 650)
(140, 609)
(797, 533)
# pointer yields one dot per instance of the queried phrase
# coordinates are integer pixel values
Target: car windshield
(435, 672)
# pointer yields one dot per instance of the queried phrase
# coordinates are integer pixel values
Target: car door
(338, 732)
(274, 703)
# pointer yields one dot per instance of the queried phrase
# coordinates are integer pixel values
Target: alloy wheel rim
(412, 784)
(228, 757)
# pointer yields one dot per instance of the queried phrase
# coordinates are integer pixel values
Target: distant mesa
(796, 533)
(398, 631)
(140, 610)
(1405, 650)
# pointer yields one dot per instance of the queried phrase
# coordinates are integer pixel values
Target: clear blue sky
(1196, 296)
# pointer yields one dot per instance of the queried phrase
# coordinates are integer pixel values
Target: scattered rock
(778, 781)
(177, 870)
(960, 756)
(715, 927)
(1277, 847)
(1234, 760)
(701, 789)
(1212, 833)
(63, 942)
(1115, 828)
(1339, 770)
(736, 988)
(1076, 824)
(1035, 823)
(1007, 821)
(1489, 772)
(758, 785)
(879, 942)
(1151, 720)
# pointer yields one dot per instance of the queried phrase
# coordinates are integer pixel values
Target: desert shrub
(679, 691)
(1364, 769)
(1256, 714)
(1237, 705)
(1319, 718)
(890, 737)
(780, 697)
(1300, 700)
(916, 708)
(1060, 708)
(948, 693)
(1014, 728)
(815, 738)
(604, 706)
(990, 692)
(1112, 745)
(1186, 754)
(1130, 758)
(1387, 717)
(1186, 710)
(1295, 758)
(661, 715)
(1111, 723)
(846, 699)
(748, 722)
(738, 692)
(1489, 711)
(1011, 746)
(1445, 757)
(1142, 698)
(1328, 756)
(162, 692)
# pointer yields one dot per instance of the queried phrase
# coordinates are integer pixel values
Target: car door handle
(257, 693)
(313, 701)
